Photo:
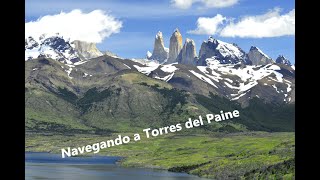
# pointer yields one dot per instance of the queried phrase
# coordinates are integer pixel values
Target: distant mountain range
(72, 86)
(223, 52)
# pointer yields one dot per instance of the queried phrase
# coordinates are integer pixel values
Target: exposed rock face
(188, 53)
(86, 50)
(282, 60)
(225, 53)
(175, 46)
(160, 53)
(257, 57)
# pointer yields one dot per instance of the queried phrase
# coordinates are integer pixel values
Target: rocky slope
(109, 94)
(271, 82)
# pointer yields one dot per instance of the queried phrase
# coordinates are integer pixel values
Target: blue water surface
(52, 166)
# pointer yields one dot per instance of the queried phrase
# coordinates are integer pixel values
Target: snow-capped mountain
(55, 47)
(223, 52)
(221, 68)
(59, 48)
(282, 60)
(237, 82)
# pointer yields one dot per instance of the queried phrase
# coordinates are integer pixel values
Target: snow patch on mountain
(170, 68)
(149, 54)
(244, 87)
(69, 72)
(203, 78)
(230, 50)
(230, 86)
(289, 87)
(80, 62)
(148, 68)
(239, 96)
(166, 78)
(127, 66)
(248, 73)
(276, 88)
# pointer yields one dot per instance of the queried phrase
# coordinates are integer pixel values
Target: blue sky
(142, 19)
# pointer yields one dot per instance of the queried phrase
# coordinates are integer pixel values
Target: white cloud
(271, 24)
(182, 4)
(185, 4)
(219, 3)
(208, 26)
(76, 25)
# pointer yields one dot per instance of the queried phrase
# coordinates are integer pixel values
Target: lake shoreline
(118, 162)
(206, 156)
(47, 165)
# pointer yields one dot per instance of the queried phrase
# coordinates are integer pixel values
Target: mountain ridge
(108, 93)
(224, 52)
(233, 80)
(115, 96)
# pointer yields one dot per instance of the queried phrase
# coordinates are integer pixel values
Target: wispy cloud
(186, 4)
(270, 24)
(94, 26)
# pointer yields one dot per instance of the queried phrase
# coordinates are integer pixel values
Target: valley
(74, 98)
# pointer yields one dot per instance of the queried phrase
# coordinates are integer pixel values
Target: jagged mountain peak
(159, 35)
(160, 52)
(258, 57)
(176, 33)
(188, 40)
(211, 40)
(175, 46)
(188, 53)
(283, 60)
(254, 48)
(225, 53)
